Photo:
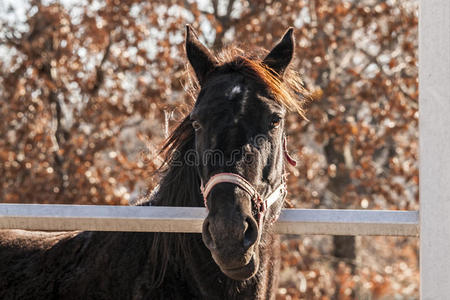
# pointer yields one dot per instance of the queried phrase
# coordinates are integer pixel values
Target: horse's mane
(180, 183)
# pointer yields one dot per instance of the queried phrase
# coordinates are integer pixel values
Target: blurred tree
(89, 90)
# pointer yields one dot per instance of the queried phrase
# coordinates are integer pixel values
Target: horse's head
(238, 120)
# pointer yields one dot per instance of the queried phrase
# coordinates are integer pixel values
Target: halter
(261, 204)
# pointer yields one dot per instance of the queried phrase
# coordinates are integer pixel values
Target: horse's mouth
(242, 273)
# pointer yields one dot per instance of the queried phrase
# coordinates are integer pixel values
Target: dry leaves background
(89, 89)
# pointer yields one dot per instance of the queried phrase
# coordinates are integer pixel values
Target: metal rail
(56, 217)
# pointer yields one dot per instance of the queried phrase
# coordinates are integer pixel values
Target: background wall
(89, 89)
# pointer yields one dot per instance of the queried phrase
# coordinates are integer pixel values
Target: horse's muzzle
(232, 245)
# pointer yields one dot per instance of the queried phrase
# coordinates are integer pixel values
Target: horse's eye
(196, 125)
(275, 122)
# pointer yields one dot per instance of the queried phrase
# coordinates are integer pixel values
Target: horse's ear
(200, 58)
(281, 55)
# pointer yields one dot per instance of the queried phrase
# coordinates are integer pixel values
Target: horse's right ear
(200, 58)
(281, 55)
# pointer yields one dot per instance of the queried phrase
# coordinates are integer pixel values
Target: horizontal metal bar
(349, 222)
(57, 217)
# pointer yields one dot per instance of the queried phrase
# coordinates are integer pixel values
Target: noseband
(261, 204)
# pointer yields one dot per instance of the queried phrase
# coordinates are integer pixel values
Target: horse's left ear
(200, 58)
(281, 55)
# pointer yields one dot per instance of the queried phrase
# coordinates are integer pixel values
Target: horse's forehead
(230, 91)
(232, 99)
(228, 85)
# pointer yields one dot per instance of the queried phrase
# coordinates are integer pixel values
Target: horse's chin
(244, 272)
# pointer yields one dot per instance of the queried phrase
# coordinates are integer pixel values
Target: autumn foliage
(88, 93)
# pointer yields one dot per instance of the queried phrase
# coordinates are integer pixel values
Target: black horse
(228, 154)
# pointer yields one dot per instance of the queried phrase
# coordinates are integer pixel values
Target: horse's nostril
(250, 233)
(206, 235)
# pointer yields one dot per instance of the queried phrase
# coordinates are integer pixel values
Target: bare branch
(99, 76)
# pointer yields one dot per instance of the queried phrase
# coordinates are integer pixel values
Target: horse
(228, 154)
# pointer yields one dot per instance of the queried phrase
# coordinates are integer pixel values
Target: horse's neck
(179, 186)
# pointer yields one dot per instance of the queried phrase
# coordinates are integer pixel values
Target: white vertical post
(434, 128)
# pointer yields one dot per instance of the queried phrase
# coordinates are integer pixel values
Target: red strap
(288, 158)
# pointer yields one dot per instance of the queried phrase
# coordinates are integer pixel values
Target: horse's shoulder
(31, 240)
